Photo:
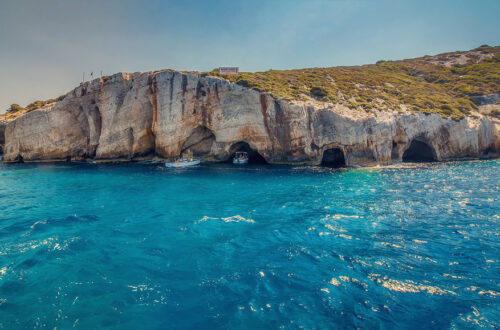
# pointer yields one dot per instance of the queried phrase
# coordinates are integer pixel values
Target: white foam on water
(234, 218)
(391, 244)
(419, 241)
(43, 222)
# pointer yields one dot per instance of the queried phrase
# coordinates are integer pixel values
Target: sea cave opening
(419, 151)
(253, 155)
(333, 157)
(199, 142)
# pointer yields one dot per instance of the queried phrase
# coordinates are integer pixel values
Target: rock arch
(199, 142)
(333, 157)
(253, 155)
(419, 151)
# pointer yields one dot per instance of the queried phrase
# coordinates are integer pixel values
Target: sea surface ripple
(142, 246)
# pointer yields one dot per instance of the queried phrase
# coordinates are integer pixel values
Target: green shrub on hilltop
(14, 108)
(318, 93)
(38, 104)
(34, 105)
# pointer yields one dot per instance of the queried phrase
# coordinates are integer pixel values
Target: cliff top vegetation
(444, 83)
(15, 110)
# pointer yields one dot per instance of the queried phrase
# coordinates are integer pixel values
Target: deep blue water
(142, 246)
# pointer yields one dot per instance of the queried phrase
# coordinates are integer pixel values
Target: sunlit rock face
(164, 114)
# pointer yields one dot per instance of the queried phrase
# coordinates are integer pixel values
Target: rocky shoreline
(160, 115)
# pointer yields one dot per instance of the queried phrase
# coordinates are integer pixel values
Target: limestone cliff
(163, 114)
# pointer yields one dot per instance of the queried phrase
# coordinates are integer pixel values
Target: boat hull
(183, 163)
(240, 161)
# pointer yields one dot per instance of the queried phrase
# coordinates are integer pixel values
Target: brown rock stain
(263, 110)
(154, 102)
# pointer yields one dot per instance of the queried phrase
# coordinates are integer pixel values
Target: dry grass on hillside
(428, 84)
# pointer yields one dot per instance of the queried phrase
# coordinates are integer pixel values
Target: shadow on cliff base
(333, 158)
(419, 151)
(253, 156)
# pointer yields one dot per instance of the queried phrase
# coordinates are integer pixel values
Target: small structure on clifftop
(228, 70)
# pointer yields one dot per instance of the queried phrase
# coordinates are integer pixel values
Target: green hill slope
(443, 83)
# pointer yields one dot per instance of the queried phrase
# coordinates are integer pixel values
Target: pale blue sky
(46, 45)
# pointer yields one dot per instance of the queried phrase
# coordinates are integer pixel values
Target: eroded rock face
(200, 142)
(166, 113)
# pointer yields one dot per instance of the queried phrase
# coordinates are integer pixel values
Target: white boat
(240, 158)
(184, 162)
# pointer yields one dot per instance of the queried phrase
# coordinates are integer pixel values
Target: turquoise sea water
(143, 246)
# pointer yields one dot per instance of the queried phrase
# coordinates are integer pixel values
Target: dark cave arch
(253, 155)
(333, 157)
(419, 151)
(199, 142)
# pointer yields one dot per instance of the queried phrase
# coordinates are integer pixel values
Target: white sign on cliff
(228, 70)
